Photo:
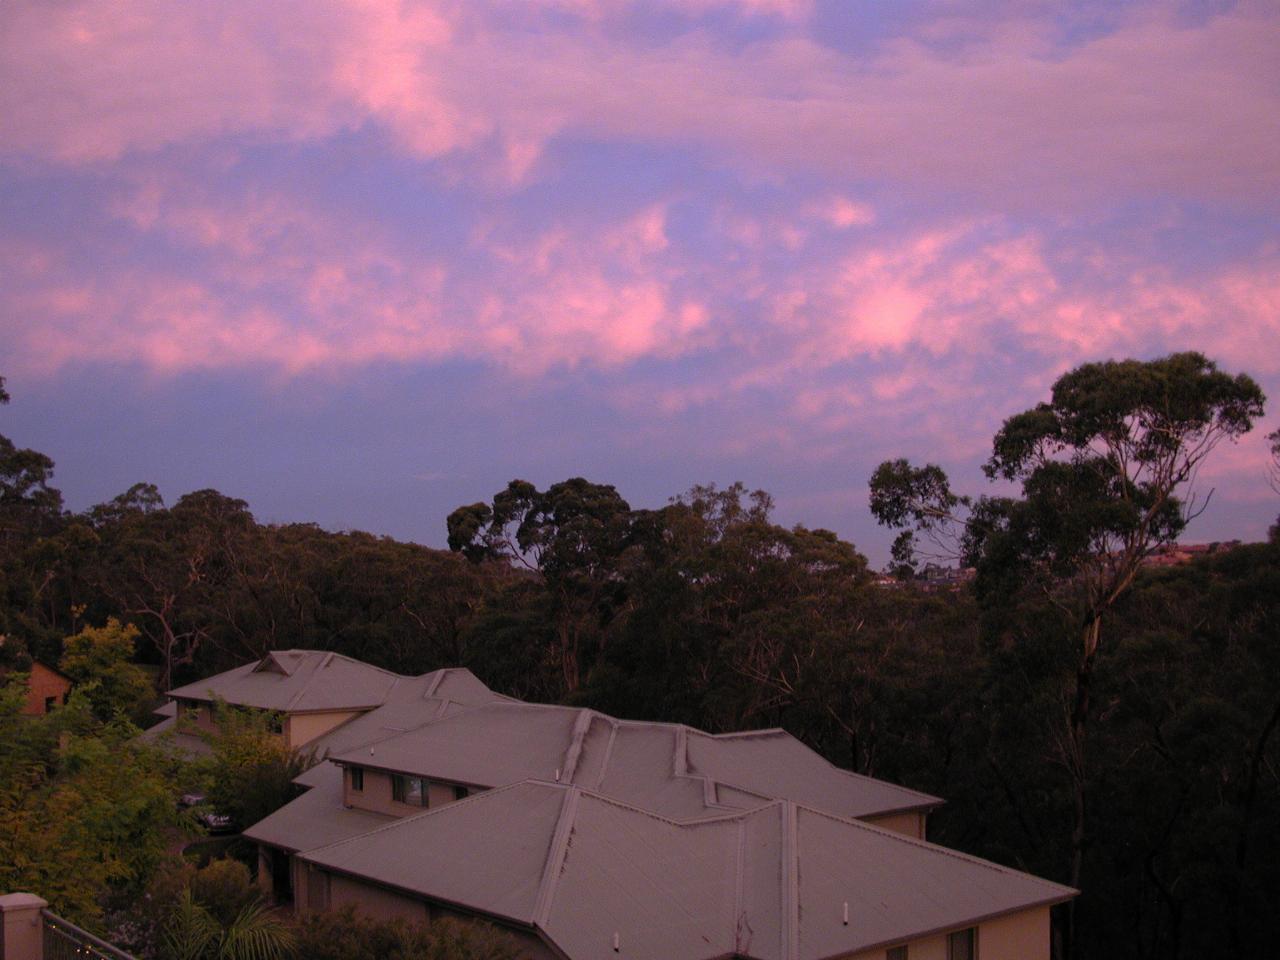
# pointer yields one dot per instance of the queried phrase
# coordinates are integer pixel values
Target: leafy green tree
(99, 660)
(84, 808)
(250, 772)
(1104, 468)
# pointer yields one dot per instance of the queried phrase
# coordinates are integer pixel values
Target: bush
(347, 935)
(224, 888)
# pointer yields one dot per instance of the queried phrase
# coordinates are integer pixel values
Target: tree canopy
(1106, 470)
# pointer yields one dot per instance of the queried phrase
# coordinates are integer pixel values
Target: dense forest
(708, 612)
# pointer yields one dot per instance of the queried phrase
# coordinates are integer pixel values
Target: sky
(359, 262)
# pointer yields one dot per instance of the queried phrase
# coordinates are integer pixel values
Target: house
(47, 688)
(310, 691)
(588, 836)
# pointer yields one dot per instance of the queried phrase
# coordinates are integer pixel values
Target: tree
(85, 810)
(574, 534)
(1106, 469)
(250, 771)
(194, 933)
(99, 659)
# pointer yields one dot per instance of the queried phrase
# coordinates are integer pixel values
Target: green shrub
(347, 935)
(224, 888)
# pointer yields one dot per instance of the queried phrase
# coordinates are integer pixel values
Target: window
(960, 945)
(411, 790)
(459, 792)
(357, 778)
(50, 703)
(896, 953)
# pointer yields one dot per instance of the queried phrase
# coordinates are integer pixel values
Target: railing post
(21, 927)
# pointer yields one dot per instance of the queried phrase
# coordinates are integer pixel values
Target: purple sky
(360, 262)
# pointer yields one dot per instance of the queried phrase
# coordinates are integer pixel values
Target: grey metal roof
(770, 883)
(488, 856)
(773, 763)
(295, 681)
(491, 745)
(317, 817)
(666, 768)
(411, 703)
(166, 734)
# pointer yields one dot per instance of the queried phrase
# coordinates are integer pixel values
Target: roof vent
(617, 943)
(846, 913)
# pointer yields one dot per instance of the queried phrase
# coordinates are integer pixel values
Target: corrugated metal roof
(775, 764)
(297, 681)
(491, 745)
(768, 884)
(667, 768)
(166, 734)
(317, 817)
(897, 888)
(412, 703)
(487, 853)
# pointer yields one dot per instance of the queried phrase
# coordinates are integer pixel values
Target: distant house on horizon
(586, 836)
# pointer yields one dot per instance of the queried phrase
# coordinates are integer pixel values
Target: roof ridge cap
(739, 874)
(437, 678)
(555, 856)
(680, 757)
(738, 734)
(573, 753)
(790, 882)
(608, 750)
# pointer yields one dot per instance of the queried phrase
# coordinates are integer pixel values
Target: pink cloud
(1156, 105)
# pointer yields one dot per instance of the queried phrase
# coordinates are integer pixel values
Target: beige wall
(376, 795)
(908, 824)
(384, 904)
(1024, 934)
(199, 713)
(1018, 936)
(376, 902)
(302, 728)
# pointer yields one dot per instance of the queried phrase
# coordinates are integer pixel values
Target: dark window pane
(357, 778)
(415, 791)
(960, 945)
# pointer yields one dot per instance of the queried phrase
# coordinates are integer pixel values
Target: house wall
(376, 795)
(201, 714)
(42, 684)
(1017, 936)
(302, 728)
(384, 904)
(908, 824)
(1024, 934)
(376, 902)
